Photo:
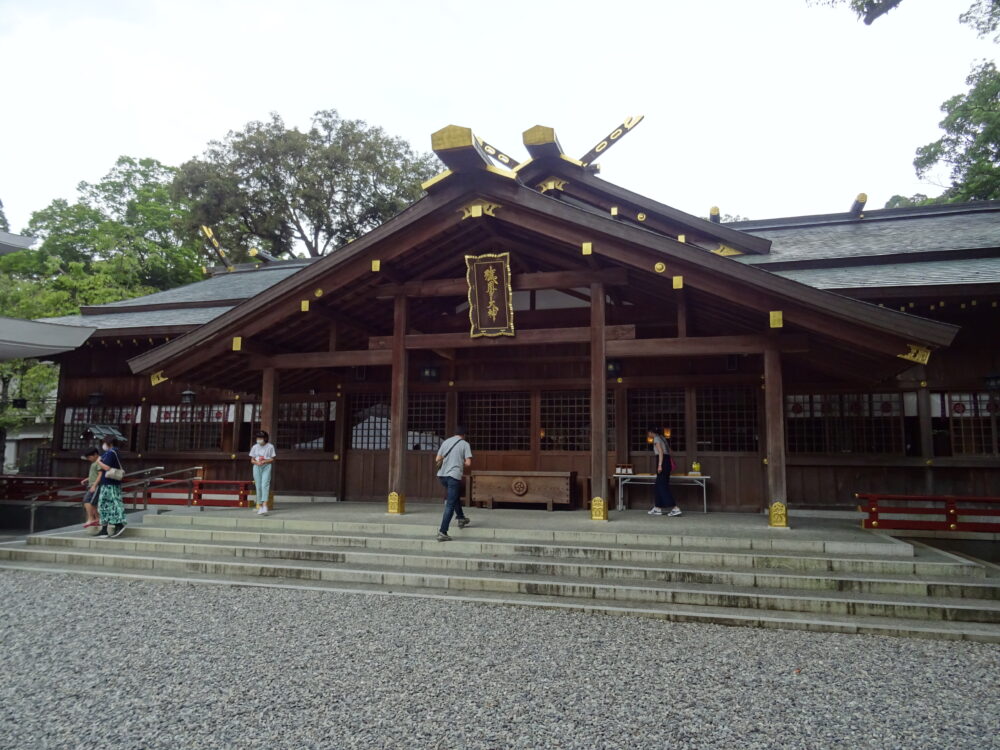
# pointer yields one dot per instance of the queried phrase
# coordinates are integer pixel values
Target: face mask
(105, 447)
(260, 441)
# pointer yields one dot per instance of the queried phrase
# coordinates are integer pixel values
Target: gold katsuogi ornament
(491, 298)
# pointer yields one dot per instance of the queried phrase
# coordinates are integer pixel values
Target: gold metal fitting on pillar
(777, 516)
(397, 503)
(598, 509)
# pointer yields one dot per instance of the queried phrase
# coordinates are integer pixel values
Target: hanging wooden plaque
(491, 299)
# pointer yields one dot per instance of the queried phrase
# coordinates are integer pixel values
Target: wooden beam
(398, 399)
(598, 402)
(524, 337)
(519, 282)
(774, 418)
(268, 396)
(694, 346)
(305, 360)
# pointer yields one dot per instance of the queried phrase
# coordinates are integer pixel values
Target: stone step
(444, 557)
(660, 592)
(735, 616)
(466, 542)
(773, 540)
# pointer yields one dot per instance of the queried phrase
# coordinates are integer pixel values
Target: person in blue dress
(110, 507)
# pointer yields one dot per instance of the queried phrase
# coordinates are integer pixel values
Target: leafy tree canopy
(279, 188)
(4, 225)
(971, 143)
(982, 15)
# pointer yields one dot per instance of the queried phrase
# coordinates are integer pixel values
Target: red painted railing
(951, 509)
(21, 487)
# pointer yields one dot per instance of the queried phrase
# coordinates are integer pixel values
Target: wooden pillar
(690, 428)
(268, 419)
(340, 439)
(142, 434)
(682, 314)
(397, 409)
(774, 416)
(926, 431)
(598, 406)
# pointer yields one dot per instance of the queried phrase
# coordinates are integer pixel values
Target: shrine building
(558, 316)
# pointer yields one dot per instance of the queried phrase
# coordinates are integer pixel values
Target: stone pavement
(116, 663)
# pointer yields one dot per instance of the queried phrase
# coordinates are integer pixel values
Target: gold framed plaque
(491, 298)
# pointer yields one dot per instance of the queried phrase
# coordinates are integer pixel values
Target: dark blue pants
(452, 501)
(661, 490)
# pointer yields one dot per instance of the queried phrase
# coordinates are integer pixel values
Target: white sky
(763, 107)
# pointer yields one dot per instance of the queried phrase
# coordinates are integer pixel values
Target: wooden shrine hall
(554, 314)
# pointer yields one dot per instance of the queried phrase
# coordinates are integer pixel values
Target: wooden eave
(429, 237)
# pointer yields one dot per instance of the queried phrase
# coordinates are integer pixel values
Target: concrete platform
(733, 530)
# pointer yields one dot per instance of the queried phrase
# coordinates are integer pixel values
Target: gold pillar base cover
(777, 515)
(397, 503)
(598, 509)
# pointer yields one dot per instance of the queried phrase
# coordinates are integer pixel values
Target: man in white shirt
(453, 458)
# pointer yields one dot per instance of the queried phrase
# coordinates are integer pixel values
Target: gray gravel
(112, 663)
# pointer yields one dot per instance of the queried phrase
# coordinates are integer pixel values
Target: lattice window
(845, 423)
(76, 419)
(188, 427)
(302, 425)
(727, 419)
(497, 421)
(425, 421)
(566, 421)
(659, 408)
(972, 423)
(369, 414)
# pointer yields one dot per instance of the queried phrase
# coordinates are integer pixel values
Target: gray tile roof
(10, 243)
(143, 319)
(235, 285)
(971, 271)
(879, 237)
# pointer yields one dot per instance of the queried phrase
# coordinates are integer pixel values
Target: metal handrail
(147, 480)
(141, 478)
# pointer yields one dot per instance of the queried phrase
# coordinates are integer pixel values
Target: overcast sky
(765, 107)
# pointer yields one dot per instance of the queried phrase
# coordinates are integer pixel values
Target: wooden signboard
(491, 298)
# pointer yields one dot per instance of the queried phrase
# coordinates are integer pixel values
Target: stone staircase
(888, 588)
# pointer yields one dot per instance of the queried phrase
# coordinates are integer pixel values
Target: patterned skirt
(110, 505)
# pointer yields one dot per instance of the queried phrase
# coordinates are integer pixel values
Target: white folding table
(626, 479)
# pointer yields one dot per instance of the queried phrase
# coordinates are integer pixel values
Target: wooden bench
(544, 487)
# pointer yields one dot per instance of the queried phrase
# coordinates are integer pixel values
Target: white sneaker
(262, 511)
(655, 512)
(674, 512)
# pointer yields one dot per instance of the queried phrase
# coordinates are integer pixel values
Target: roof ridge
(878, 214)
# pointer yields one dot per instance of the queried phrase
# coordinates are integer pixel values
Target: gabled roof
(429, 239)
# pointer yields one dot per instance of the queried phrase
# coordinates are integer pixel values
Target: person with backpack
(453, 458)
(663, 497)
(110, 507)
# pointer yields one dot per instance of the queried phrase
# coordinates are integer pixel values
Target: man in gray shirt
(453, 457)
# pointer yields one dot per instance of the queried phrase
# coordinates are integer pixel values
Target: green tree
(128, 219)
(4, 224)
(982, 15)
(971, 143)
(29, 380)
(282, 189)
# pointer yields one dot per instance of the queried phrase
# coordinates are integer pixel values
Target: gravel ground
(111, 663)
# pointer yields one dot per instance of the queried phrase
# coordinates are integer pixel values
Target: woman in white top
(262, 455)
